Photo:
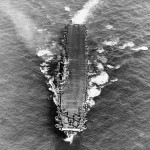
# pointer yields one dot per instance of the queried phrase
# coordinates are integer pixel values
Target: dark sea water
(120, 119)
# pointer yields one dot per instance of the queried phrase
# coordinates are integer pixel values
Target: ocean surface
(118, 35)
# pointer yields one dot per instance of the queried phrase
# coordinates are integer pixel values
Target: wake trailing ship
(72, 82)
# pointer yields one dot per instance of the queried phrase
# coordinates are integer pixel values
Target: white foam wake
(70, 137)
(111, 43)
(82, 15)
(67, 8)
(109, 27)
(100, 79)
(96, 83)
(127, 44)
(143, 48)
(100, 50)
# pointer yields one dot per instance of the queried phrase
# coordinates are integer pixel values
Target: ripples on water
(120, 118)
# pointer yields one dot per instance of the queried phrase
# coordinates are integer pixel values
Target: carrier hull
(73, 83)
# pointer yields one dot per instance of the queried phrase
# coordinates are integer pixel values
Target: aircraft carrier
(72, 81)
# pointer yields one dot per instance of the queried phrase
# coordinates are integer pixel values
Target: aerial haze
(118, 45)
